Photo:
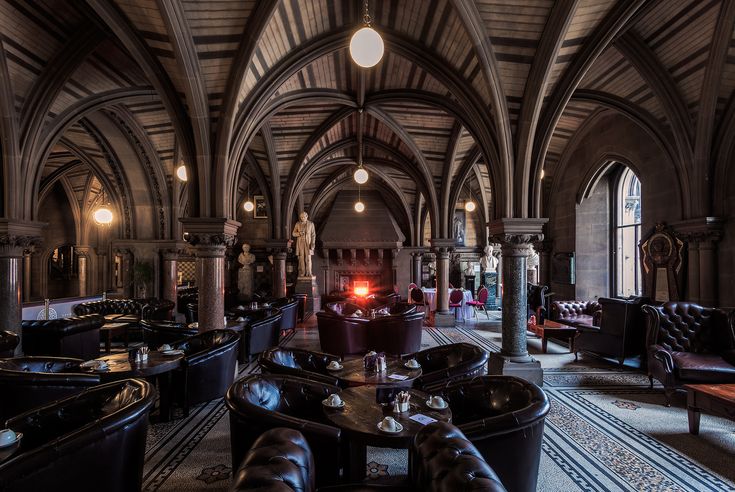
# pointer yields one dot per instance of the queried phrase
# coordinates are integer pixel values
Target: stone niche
(359, 246)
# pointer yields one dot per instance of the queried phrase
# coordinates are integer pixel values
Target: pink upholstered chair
(417, 296)
(455, 301)
(480, 302)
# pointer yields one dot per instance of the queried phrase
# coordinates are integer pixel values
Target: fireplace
(361, 287)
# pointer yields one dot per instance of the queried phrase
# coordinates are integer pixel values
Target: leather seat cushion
(706, 368)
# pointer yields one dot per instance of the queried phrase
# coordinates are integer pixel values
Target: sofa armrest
(664, 356)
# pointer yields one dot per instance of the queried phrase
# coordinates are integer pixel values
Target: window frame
(618, 195)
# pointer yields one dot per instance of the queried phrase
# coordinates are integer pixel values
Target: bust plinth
(307, 285)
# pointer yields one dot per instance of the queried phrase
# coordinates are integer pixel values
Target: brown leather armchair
(29, 382)
(576, 313)
(449, 363)
(686, 343)
(8, 342)
(342, 334)
(622, 331)
(504, 417)
(208, 368)
(77, 336)
(298, 363)
(259, 403)
(91, 441)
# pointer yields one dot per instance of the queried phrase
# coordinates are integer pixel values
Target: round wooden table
(354, 374)
(157, 366)
(359, 420)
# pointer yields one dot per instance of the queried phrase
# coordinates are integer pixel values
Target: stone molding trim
(12, 245)
(217, 239)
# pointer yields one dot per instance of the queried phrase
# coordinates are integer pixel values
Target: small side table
(552, 329)
(107, 331)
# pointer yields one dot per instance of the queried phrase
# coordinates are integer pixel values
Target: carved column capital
(699, 230)
(14, 246)
(85, 251)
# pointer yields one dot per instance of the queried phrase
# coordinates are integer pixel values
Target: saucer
(326, 403)
(173, 352)
(407, 366)
(335, 368)
(428, 404)
(8, 450)
(399, 428)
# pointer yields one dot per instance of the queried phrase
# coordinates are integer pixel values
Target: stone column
(693, 271)
(279, 274)
(27, 275)
(416, 267)
(210, 238)
(83, 259)
(170, 276)
(515, 237)
(708, 272)
(701, 235)
(442, 248)
(15, 238)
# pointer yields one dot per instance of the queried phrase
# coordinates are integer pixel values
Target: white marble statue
(488, 262)
(245, 274)
(469, 271)
(305, 235)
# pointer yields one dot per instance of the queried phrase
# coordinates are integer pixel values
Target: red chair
(417, 296)
(480, 302)
(412, 286)
(455, 301)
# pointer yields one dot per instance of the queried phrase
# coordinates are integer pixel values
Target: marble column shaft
(210, 277)
(515, 303)
(279, 274)
(11, 279)
(170, 276)
(416, 268)
(26, 276)
(442, 281)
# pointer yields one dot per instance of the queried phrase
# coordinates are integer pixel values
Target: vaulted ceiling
(472, 99)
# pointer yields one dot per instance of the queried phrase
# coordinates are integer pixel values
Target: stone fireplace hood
(375, 228)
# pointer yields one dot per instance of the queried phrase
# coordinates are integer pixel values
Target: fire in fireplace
(361, 287)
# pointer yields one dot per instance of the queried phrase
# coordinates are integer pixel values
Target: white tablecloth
(464, 312)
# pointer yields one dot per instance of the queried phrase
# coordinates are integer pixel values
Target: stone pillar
(693, 272)
(15, 238)
(515, 237)
(27, 275)
(701, 235)
(210, 238)
(83, 268)
(279, 274)
(170, 275)
(416, 267)
(708, 272)
(442, 248)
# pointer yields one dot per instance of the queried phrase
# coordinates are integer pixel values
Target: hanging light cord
(366, 15)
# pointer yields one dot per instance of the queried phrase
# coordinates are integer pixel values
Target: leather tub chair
(259, 403)
(342, 335)
(208, 368)
(88, 442)
(298, 363)
(8, 342)
(576, 313)
(396, 334)
(184, 297)
(686, 343)
(78, 337)
(504, 417)
(260, 331)
(158, 332)
(444, 459)
(192, 312)
(449, 363)
(289, 313)
(621, 333)
(29, 382)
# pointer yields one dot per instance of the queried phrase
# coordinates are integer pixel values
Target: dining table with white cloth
(430, 298)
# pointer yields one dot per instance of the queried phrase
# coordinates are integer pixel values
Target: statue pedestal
(309, 287)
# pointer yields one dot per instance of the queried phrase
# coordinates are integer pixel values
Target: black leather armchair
(29, 382)
(504, 417)
(289, 313)
(260, 331)
(158, 332)
(536, 297)
(686, 343)
(448, 363)
(192, 312)
(77, 337)
(259, 403)
(88, 442)
(8, 342)
(208, 368)
(298, 363)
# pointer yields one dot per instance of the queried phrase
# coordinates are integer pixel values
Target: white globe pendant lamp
(470, 206)
(249, 206)
(366, 45)
(103, 216)
(359, 207)
(181, 173)
(361, 175)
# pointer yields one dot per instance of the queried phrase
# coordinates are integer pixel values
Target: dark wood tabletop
(120, 367)
(361, 414)
(353, 372)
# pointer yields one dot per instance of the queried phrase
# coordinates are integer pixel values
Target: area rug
(606, 431)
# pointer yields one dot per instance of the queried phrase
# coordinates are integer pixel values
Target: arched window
(627, 234)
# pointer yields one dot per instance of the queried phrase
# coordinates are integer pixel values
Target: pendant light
(469, 205)
(361, 175)
(359, 206)
(181, 173)
(249, 206)
(366, 45)
(103, 215)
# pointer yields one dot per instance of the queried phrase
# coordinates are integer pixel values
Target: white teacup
(372, 352)
(240, 319)
(164, 347)
(389, 424)
(413, 363)
(437, 401)
(334, 400)
(334, 365)
(7, 437)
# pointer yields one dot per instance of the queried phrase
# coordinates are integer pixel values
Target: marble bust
(488, 262)
(305, 235)
(245, 274)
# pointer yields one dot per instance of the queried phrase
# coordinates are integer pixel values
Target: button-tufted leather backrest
(687, 327)
(571, 309)
(41, 364)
